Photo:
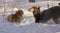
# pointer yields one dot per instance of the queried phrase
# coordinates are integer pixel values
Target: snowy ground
(6, 27)
(27, 25)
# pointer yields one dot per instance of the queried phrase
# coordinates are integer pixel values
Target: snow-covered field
(27, 25)
(6, 27)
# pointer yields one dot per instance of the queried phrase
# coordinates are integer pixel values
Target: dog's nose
(31, 10)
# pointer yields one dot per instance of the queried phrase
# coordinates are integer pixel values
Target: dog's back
(12, 18)
(53, 12)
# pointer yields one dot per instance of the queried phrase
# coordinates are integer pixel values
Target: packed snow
(27, 25)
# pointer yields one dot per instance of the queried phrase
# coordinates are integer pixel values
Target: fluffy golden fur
(17, 17)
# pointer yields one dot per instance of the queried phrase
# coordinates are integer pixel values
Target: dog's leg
(56, 20)
(37, 20)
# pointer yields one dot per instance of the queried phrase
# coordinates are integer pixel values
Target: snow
(6, 27)
(27, 25)
(57, 32)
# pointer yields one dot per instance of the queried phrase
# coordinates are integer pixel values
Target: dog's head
(34, 8)
(19, 12)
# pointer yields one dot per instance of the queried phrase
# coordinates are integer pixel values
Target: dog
(17, 17)
(36, 12)
(46, 15)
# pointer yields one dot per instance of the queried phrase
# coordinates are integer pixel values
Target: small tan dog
(17, 17)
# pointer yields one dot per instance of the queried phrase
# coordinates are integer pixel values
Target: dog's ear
(38, 7)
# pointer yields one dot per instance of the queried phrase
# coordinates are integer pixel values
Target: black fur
(53, 12)
(37, 14)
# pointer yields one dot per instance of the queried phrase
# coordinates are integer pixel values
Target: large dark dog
(17, 17)
(43, 17)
